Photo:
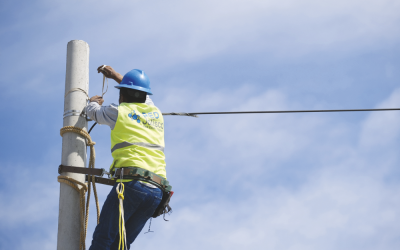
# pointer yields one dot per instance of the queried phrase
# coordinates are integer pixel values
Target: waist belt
(134, 173)
(141, 174)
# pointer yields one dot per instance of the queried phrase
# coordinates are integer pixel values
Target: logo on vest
(134, 116)
(148, 120)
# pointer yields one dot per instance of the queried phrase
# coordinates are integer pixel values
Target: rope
(121, 224)
(91, 179)
(78, 89)
(280, 111)
(102, 90)
(81, 190)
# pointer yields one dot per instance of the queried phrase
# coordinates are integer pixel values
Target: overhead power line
(277, 111)
(268, 112)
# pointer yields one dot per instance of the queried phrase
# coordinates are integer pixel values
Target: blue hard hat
(136, 79)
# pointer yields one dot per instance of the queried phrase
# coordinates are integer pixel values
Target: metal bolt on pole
(73, 145)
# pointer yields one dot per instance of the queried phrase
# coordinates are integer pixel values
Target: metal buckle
(105, 172)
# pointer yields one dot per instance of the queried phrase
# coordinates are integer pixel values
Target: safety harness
(133, 173)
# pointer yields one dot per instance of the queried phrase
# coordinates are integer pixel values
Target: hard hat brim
(148, 91)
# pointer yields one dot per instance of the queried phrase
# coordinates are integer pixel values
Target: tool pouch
(164, 208)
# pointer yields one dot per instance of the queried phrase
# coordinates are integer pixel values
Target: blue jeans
(140, 202)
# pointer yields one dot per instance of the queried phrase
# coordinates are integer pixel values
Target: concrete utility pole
(73, 145)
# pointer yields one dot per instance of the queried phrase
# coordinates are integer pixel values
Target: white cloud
(163, 35)
(344, 202)
(333, 195)
(382, 129)
(327, 213)
(325, 183)
(180, 31)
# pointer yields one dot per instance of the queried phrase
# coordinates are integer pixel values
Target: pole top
(78, 42)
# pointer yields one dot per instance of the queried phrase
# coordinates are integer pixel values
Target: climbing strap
(143, 175)
(91, 179)
(88, 172)
(79, 170)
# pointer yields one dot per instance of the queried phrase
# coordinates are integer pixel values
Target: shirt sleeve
(106, 115)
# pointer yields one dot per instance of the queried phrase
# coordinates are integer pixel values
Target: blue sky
(276, 181)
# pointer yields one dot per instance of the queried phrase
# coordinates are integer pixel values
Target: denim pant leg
(137, 220)
(136, 217)
(107, 230)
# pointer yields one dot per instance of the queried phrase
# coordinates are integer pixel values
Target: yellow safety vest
(137, 139)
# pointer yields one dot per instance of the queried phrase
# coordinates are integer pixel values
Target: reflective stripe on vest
(142, 144)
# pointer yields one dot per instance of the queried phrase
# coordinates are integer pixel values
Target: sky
(266, 181)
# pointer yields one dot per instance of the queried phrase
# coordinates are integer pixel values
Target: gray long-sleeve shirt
(106, 115)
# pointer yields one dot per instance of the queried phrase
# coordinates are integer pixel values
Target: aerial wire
(278, 111)
(254, 112)
(271, 112)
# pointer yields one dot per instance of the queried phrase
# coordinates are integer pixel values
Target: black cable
(268, 112)
(280, 111)
(92, 127)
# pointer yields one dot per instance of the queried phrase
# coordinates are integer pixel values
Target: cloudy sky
(273, 181)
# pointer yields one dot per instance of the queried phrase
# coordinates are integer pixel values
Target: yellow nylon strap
(121, 224)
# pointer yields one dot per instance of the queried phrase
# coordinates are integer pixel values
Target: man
(137, 140)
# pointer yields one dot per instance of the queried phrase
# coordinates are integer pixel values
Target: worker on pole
(137, 142)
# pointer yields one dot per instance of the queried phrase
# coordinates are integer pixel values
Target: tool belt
(142, 175)
(134, 173)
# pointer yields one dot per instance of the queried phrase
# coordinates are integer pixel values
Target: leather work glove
(97, 99)
(109, 72)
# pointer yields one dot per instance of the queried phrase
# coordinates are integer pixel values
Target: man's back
(138, 138)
